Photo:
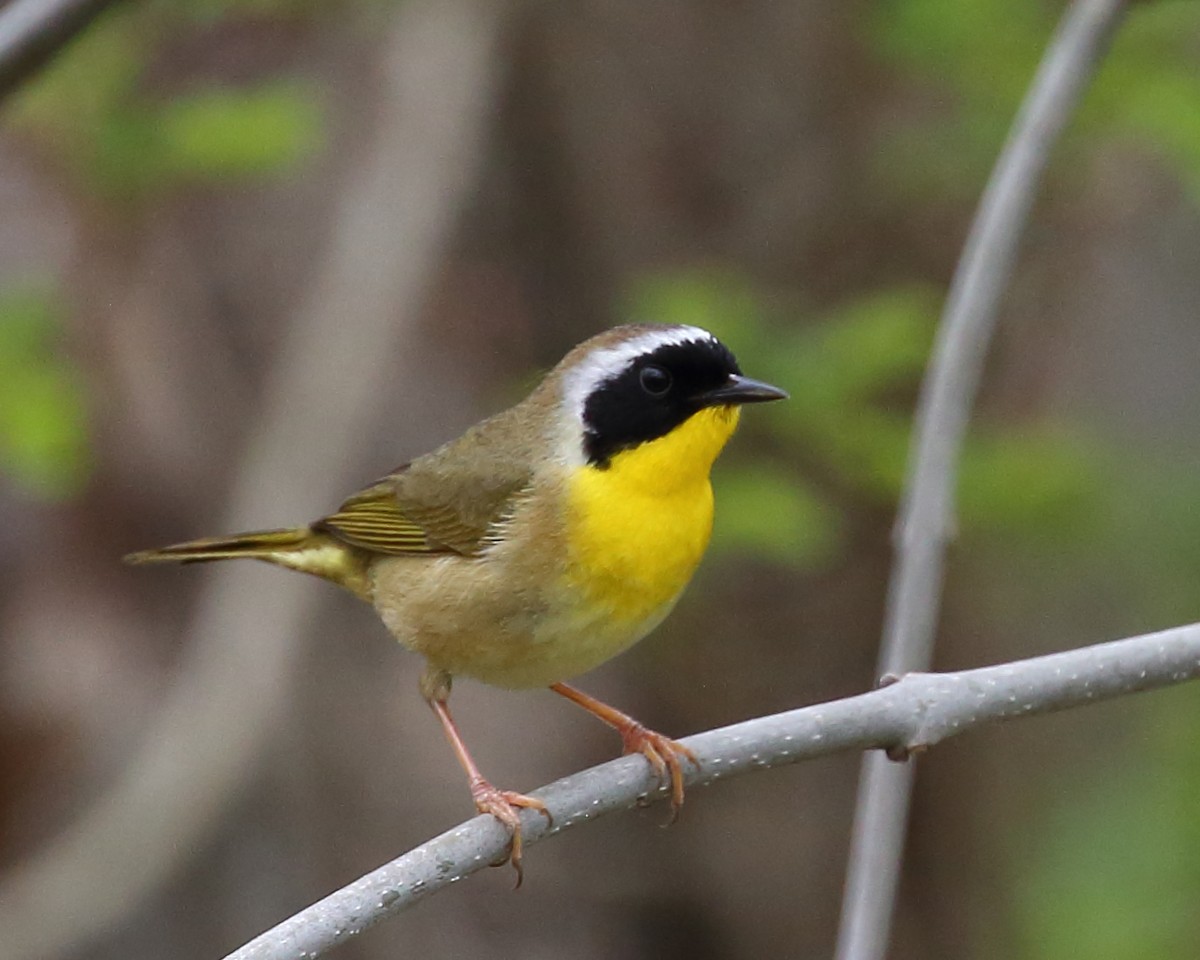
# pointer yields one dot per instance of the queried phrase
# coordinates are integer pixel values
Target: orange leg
(501, 804)
(665, 755)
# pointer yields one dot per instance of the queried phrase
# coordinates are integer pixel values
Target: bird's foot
(504, 805)
(666, 756)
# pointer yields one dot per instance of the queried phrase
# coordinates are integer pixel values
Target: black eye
(655, 380)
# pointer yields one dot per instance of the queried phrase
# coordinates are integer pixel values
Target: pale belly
(577, 585)
(468, 618)
(499, 620)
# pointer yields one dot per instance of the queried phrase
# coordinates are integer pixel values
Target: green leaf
(72, 105)
(979, 58)
(870, 345)
(90, 110)
(766, 511)
(235, 133)
(43, 432)
(1044, 482)
(1110, 879)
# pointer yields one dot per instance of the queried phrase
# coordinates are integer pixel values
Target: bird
(544, 540)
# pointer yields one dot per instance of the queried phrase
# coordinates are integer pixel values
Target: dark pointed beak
(738, 389)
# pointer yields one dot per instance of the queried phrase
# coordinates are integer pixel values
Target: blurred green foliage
(1114, 876)
(223, 134)
(43, 432)
(93, 114)
(766, 512)
(1111, 875)
(852, 376)
(980, 57)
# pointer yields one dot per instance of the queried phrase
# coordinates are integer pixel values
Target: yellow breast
(638, 528)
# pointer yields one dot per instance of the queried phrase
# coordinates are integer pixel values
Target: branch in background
(32, 32)
(440, 63)
(926, 518)
(917, 711)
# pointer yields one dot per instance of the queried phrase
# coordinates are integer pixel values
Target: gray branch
(918, 711)
(926, 518)
(33, 31)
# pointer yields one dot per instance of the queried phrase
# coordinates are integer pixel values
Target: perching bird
(544, 540)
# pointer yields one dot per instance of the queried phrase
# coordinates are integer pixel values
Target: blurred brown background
(255, 253)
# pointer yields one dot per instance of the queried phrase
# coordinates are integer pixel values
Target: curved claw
(665, 755)
(503, 805)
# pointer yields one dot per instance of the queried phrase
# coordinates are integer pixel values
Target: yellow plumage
(637, 530)
(544, 540)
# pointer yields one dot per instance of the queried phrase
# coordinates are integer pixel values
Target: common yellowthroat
(544, 540)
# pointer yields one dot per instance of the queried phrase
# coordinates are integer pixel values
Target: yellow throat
(638, 528)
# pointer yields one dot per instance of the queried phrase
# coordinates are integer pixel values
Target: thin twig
(440, 59)
(32, 32)
(918, 711)
(926, 520)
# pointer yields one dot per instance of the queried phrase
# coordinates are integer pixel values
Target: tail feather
(301, 548)
(260, 545)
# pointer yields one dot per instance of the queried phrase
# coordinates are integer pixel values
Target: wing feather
(373, 520)
(454, 500)
(380, 519)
